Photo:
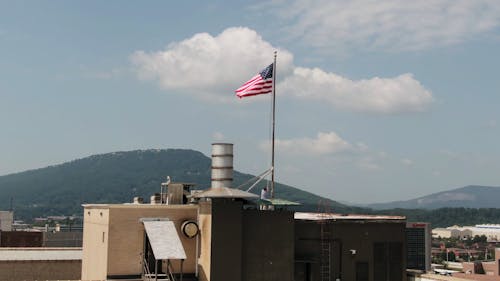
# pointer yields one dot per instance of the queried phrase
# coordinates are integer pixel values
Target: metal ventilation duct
(222, 165)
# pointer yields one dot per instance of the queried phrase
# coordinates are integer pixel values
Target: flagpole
(274, 115)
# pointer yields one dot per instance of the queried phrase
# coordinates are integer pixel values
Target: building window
(387, 261)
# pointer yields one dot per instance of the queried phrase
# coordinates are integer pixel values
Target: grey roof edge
(224, 192)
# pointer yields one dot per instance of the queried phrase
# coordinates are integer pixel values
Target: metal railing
(147, 275)
(170, 271)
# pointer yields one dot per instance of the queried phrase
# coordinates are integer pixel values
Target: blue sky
(376, 100)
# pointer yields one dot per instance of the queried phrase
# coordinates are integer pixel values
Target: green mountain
(444, 217)
(118, 177)
(472, 196)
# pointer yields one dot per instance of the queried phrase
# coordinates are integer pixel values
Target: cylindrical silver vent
(222, 165)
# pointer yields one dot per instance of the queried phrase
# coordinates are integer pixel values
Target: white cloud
(376, 95)
(407, 162)
(218, 136)
(396, 25)
(209, 67)
(324, 143)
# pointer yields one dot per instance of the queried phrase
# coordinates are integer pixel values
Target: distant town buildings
(487, 270)
(47, 252)
(491, 231)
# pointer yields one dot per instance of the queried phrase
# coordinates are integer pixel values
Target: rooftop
(331, 216)
(478, 277)
(224, 192)
(132, 206)
(40, 254)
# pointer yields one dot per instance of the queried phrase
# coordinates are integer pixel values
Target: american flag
(261, 83)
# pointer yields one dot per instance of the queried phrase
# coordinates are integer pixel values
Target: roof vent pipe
(222, 165)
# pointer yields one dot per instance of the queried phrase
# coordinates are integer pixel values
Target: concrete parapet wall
(40, 270)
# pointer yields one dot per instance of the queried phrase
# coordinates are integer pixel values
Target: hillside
(118, 177)
(445, 217)
(467, 197)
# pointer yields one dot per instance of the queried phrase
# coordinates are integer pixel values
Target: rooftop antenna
(163, 191)
(11, 204)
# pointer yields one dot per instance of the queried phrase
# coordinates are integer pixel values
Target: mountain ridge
(470, 196)
(117, 177)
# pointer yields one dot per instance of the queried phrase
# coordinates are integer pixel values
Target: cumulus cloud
(218, 136)
(210, 67)
(330, 148)
(324, 143)
(377, 95)
(397, 25)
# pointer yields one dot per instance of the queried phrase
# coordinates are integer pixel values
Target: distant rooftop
(40, 254)
(331, 216)
(475, 277)
(488, 226)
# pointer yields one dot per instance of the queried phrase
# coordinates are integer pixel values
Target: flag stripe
(255, 78)
(264, 91)
(255, 86)
(254, 82)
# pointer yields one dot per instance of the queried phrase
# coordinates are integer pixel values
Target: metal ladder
(325, 270)
(326, 252)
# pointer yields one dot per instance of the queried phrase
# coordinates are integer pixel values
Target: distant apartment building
(418, 243)
(6, 220)
(491, 231)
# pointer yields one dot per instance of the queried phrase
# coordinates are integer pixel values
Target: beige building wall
(95, 243)
(113, 242)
